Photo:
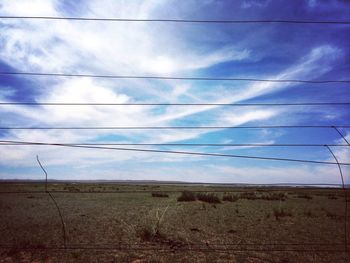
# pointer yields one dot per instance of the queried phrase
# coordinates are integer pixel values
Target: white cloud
(121, 48)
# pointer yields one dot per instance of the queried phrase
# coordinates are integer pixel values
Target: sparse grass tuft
(278, 213)
(332, 197)
(208, 198)
(308, 213)
(71, 189)
(249, 196)
(274, 196)
(230, 198)
(159, 194)
(332, 215)
(146, 234)
(305, 196)
(187, 196)
(152, 231)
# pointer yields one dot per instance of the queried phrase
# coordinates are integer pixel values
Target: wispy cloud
(136, 49)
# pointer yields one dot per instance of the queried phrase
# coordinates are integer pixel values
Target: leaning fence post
(57, 207)
(345, 197)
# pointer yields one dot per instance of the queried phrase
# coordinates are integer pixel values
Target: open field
(147, 223)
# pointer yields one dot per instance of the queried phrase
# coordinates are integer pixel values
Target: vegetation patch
(249, 196)
(332, 215)
(71, 189)
(187, 196)
(308, 213)
(305, 196)
(274, 197)
(332, 197)
(159, 194)
(208, 198)
(147, 234)
(281, 212)
(230, 198)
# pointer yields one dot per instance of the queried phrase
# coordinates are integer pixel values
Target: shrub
(332, 197)
(305, 196)
(249, 196)
(209, 198)
(332, 215)
(152, 231)
(230, 198)
(275, 196)
(159, 194)
(281, 213)
(308, 213)
(187, 196)
(71, 189)
(145, 234)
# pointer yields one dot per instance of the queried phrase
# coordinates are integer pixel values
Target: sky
(267, 51)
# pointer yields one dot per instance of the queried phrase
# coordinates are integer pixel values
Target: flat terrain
(114, 222)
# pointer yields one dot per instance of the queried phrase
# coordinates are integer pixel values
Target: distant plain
(131, 222)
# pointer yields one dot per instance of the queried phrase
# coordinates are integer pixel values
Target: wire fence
(224, 247)
(47, 74)
(200, 21)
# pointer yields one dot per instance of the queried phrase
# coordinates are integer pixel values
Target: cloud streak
(138, 48)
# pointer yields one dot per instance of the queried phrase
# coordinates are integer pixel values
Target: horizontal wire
(204, 21)
(203, 245)
(211, 245)
(176, 104)
(172, 77)
(198, 245)
(158, 248)
(184, 153)
(297, 188)
(191, 144)
(177, 127)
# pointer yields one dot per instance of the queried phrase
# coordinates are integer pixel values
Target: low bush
(305, 196)
(274, 196)
(332, 197)
(332, 215)
(209, 198)
(249, 196)
(159, 194)
(278, 213)
(308, 213)
(146, 234)
(230, 198)
(187, 196)
(71, 189)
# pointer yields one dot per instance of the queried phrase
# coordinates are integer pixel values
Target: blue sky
(270, 51)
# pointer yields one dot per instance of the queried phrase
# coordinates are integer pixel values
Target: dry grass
(31, 220)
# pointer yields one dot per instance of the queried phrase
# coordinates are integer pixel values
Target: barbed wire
(174, 127)
(204, 248)
(183, 144)
(244, 247)
(331, 247)
(174, 104)
(181, 153)
(197, 21)
(173, 77)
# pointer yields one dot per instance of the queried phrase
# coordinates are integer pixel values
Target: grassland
(151, 223)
